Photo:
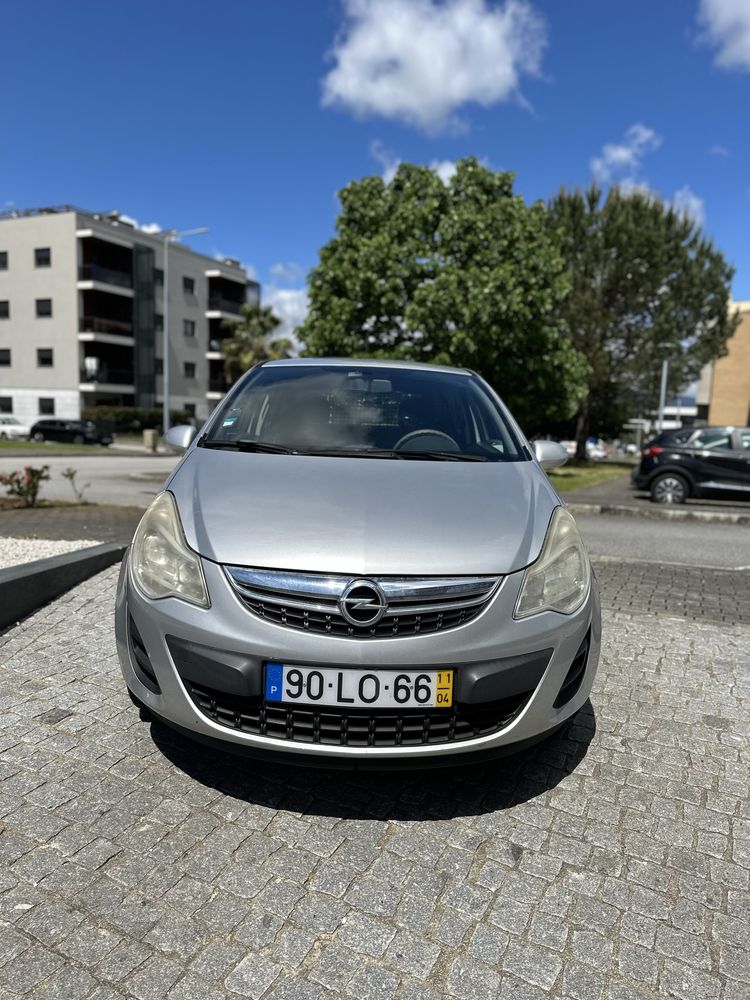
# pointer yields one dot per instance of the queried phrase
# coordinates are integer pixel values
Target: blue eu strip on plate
(274, 681)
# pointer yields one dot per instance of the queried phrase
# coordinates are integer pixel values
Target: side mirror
(180, 437)
(550, 454)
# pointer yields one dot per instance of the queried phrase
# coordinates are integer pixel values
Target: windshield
(366, 411)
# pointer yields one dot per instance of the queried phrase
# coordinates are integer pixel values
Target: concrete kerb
(26, 587)
(660, 513)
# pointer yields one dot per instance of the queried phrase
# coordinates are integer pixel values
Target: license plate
(351, 688)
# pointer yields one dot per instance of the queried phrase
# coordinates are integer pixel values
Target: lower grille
(334, 727)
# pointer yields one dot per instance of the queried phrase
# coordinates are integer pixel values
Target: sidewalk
(615, 496)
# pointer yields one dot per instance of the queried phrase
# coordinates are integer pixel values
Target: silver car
(362, 562)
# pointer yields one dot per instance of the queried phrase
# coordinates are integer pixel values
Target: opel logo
(363, 603)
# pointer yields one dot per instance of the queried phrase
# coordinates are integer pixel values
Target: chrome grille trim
(309, 601)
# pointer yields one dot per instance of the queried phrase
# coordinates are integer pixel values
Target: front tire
(38, 436)
(79, 439)
(670, 487)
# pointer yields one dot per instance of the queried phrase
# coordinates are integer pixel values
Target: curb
(27, 587)
(657, 513)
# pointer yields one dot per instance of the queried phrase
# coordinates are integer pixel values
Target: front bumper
(489, 647)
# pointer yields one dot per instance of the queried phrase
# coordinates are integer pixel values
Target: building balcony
(218, 304)
(107, 380)
(105, 278)
(99, 324)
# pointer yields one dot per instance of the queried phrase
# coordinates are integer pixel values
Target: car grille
(310, 601)
(333, 727)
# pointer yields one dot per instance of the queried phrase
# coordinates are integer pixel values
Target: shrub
(25, 483)
(131, 419)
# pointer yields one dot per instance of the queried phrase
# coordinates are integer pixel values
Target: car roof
(364, 363)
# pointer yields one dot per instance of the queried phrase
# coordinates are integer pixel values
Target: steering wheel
(428, 432)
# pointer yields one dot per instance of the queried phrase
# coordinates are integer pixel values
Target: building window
(158, 366)
(188, 369)
(190, 409)
(46, 406)
(4, 309)
(43, 257)
(45, 357)
(3, 260)
(188, 286)
(158, 321)
(188, 327)
(6, 404)
(5, 357)
(44, 307)
(159, 277)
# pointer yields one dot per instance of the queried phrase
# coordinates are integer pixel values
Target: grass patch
(41, 448)
(578, 475)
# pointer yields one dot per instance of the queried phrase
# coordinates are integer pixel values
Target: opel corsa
(363, 562)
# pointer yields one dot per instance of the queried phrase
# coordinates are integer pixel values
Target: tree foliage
(465, 274)
(251, 341)
(645, 283)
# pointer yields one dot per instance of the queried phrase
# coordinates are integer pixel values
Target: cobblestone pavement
(670, 590)
(611, 862)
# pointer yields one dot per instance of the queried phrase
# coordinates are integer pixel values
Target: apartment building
(82, 305)
(724, 389)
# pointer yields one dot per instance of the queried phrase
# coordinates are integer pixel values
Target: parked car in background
(596, 450)
(70, 432)
(13, 430)
(362, 561)
(696, 462)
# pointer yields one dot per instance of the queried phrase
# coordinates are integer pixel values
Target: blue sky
(248, 116)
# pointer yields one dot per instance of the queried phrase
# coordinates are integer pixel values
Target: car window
(745, 440)
(345, 409)
(712, 439)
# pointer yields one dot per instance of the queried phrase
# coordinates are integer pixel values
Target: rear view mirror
(180, 437)
(550, 454)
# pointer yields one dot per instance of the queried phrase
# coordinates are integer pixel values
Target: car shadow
(426, 794)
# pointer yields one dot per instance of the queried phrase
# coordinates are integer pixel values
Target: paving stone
(252, 976)
(610, 863)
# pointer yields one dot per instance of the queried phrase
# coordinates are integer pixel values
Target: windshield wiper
(440, 456)
(244, 444)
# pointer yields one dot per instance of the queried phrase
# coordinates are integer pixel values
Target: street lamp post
(169, 237)
(663, 393)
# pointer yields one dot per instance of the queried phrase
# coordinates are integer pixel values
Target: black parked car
(70, 431)
(696, 462)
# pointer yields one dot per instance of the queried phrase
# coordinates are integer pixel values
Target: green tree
(251, 341)
(645, 283)
(465, 273)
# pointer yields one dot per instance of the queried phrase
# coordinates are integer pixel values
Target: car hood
(361, 516)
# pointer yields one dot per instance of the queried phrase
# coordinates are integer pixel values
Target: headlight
(559, 579)
(161, 563)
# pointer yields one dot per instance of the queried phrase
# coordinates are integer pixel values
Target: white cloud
(719, 151)
(620, 162)
(727, 28)
(290, 305)
(420, 61)
(687, 203)
(287, 272)
(445, 169)
(151, 227)
(387, 160)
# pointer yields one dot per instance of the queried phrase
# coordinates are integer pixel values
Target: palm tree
(250, 341)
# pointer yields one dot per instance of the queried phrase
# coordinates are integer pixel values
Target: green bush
(25, 483)
(132, 419)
